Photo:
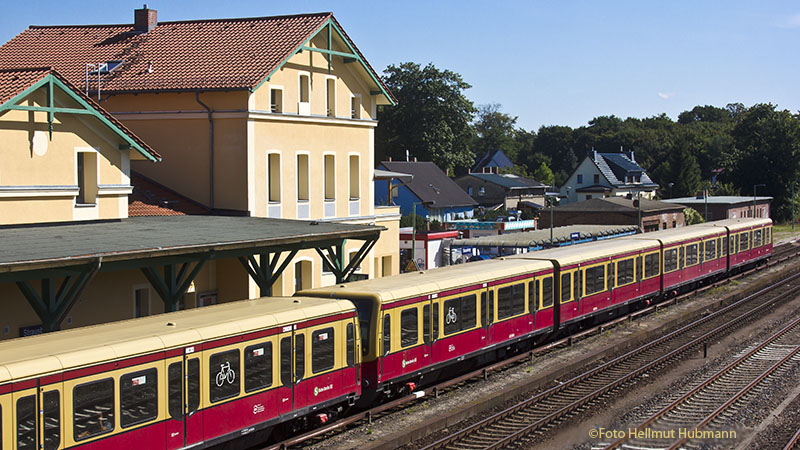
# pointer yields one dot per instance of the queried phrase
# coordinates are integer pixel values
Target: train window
(175, 390)
(651, 265)
(435, 321)
(460, 314)
(757, 238)
(299, 357)
(193, 384)
(26, 423)
(594, 280)
(426, 324)
(700, 251)
(625, 272)
(610, 276)
(469, 308)
(138, 397)
(767, 236)
(485, 309)
(351, 345)
(639, 268)
(735, 248)
(510, 301)
(576, 286)
(322, 350)
(93, 409)
(52, 419)
(724, 246)
(491, 307)
(744, 241)
(364, 310)
(566, 287)
(711, 250)
(547, 292)
(223, 375)
(670, 260)
(286, 362)
(532, 288)
(258, 366)
(680, 258)
(691, 255)
(409, 327)
(387, 334)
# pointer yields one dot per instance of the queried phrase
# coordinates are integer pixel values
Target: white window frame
(96, 181)
(326, 202)
(335, 83)
(303, 108)
(271, 204)
(304, 204)
(357, 112)
(275, 87)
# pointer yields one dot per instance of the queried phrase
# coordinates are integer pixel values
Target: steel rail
(793, 441)
(712, 379)
(500, 442)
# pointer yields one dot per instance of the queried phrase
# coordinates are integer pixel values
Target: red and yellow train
(200, 377)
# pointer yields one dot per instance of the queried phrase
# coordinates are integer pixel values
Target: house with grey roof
(607, 175)
(492, 162)
(428, 190)
(726, 206)
(615, 210)
(508, 190)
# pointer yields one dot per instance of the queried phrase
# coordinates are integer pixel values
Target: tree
(556, 143)
(432, 119)
(683, 169)
(543, 174)
(692, 217)
(495, 130)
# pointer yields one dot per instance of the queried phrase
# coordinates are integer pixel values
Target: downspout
(210, 150)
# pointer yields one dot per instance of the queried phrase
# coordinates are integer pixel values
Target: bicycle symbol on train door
(225, 373)
(451, 316)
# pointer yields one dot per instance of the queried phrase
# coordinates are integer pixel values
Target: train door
(37, 413)
(183, 400)
(487, 312)
(287, 390)
(430, 330)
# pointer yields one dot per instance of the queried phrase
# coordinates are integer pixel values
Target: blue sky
(548, 63)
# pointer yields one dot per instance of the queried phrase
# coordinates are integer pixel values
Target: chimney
(144, 19)
(594, 155)
(390, 159)
(630, 156)
(415, 159)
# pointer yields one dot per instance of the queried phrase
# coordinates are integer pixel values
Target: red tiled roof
(184, 55)
(16, 81)
(152, 199)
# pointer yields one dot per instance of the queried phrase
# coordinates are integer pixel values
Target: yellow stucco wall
(36, 169)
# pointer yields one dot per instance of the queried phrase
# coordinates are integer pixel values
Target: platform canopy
(170, 251)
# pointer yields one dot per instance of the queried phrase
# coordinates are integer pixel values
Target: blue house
(431, 191)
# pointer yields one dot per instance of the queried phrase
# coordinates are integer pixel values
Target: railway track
(781, 254)
(542, 411)
(699, 415)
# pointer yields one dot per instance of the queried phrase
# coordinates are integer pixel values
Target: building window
(354, 178)
(580, 179)
(141, 302)
(276, 100)
(302, 178)
(86, 177)
(274, 175)
(330, 177)
(305, 88)
(330, 88)
(588, 197)
(596, 178)
(481, 192)
(302, 275)
(355, 107)
(469, 190)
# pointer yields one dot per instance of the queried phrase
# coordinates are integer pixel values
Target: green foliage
(543, 174)
(493, 130)
(692, 217)
(421, 223)
(432, 119)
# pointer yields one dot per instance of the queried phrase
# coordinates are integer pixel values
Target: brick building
(726, 206)
(656, 215)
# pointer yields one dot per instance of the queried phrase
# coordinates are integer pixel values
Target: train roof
(47, 353)
(415, 284)
(590, 251)
(674, 235)
(740, 224)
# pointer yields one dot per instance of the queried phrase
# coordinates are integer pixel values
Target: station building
(282, 130)
(268, 117)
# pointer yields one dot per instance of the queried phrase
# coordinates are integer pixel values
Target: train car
(416, 323)
(750, 240)
(186, 379)
(595, 277)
